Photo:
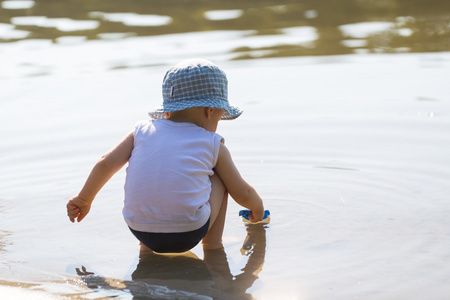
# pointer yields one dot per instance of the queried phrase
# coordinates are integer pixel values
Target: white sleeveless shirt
(167, 186)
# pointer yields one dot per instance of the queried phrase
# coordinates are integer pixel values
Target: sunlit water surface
(350, 154)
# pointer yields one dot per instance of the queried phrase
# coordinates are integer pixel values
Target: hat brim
(230, 112)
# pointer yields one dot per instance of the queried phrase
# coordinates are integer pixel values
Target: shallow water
(350, 154)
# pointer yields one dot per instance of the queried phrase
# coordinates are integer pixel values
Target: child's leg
(218, 202)
(144, 248)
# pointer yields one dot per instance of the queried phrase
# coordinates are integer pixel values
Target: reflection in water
(409, 26)
(3, 235)
(168, 276)
(4, 242)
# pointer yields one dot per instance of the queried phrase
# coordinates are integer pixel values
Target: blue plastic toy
(244, 214)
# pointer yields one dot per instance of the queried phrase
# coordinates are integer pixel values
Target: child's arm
(242, 192)
(111, 162)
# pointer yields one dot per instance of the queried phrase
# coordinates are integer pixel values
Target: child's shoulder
(141, 123)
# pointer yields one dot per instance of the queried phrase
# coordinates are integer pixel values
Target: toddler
(179, 171)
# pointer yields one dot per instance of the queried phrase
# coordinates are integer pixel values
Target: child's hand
(77, 208)
(256, 216)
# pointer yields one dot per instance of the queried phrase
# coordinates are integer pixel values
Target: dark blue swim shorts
(173, 242)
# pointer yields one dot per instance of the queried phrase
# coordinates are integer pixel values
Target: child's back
(167, 187)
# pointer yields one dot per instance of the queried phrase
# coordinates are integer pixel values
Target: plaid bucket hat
(195, 83)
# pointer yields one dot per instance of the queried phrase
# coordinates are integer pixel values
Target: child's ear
(208, 112)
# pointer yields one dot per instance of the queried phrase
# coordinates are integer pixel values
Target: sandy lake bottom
(350, 154)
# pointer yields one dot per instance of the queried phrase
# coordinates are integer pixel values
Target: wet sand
(350, 154)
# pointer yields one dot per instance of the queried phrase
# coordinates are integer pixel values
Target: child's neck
(186, 116)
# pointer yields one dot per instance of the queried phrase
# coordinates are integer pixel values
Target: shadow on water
(185, 276)
(386, 26)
